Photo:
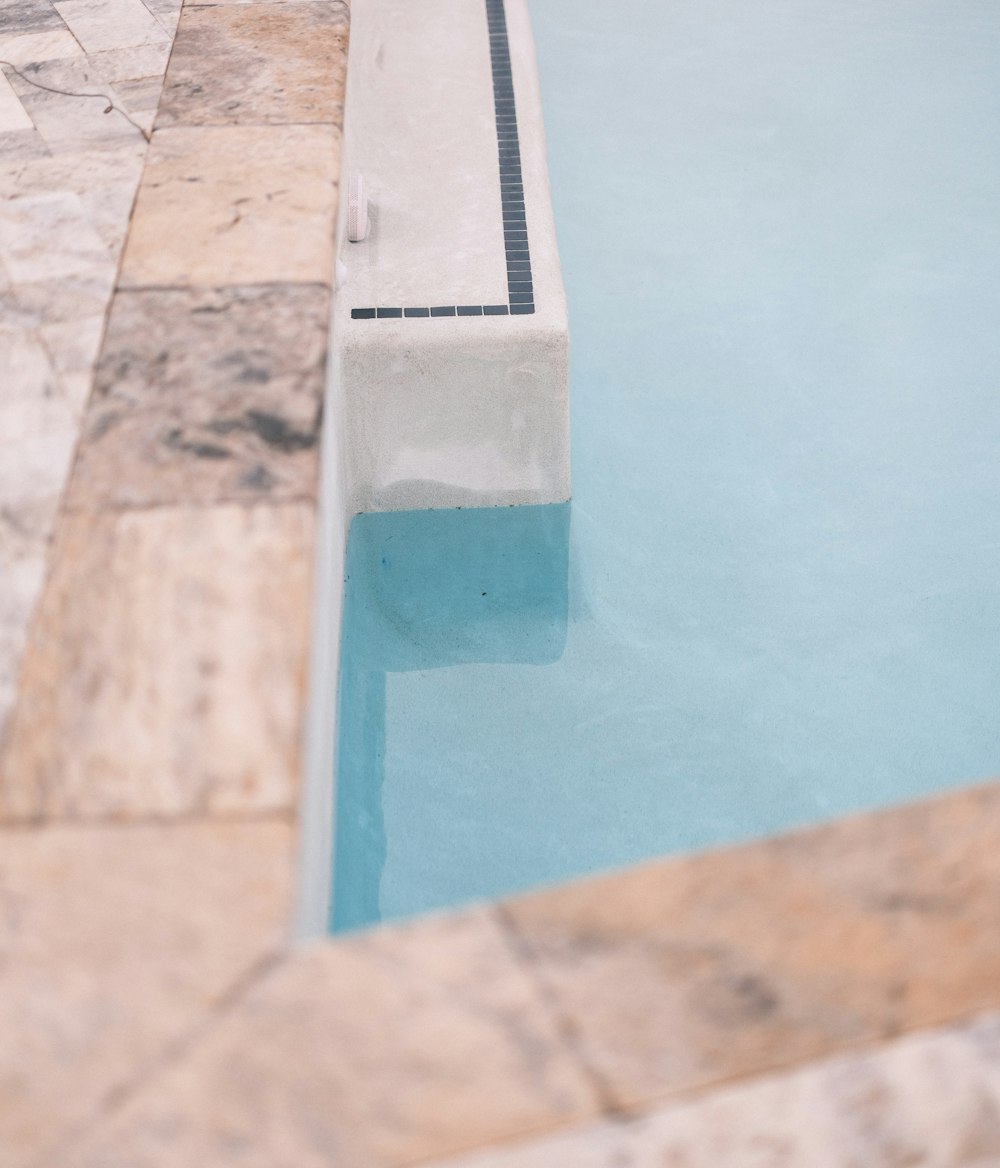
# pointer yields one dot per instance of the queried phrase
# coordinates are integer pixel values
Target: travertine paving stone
(257, 204)
(29, 16)
(206, 396)
(45, 237)
(200, 610)
(111, 24)
(116, 945)
(382, 1050)
(930, 1100)
(688, 972)
(67, 181)
(271, 64)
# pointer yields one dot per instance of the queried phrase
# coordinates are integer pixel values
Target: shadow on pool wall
(428, 590)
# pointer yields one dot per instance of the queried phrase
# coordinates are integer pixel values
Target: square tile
(223, 205)
(166, 667)
(29, 16)
(271, 64)
(34, 47)
(13, 115)
(45, 237)
(205, 397)
(111, 24)
(120, 944)
(382, 1050)
(682, 973)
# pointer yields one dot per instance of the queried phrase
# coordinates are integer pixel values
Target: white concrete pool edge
(490, 395)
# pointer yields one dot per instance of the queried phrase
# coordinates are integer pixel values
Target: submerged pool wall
(448, 382)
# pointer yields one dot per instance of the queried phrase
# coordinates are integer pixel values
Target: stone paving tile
(68, 123)
(257, 204)
(29, 16)
(205, 397)
(39, 428)
(24, 527)
(271, 64)
(13, 115)
(45, 237)
(684, 973)
(116, 944)
(67, 182)
(111, 24)
(21, 145)
(381, 1050)
(131, 64)
(930, 1100)
(34, 47)
(202, 610)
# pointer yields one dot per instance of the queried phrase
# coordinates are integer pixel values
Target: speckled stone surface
(151, 1011)
(256, 204)
(116, 946)
(682, 973)
(926, 1101)
(202, 613)
(272, 63)
(68, 175)
(206, 397)
(380, 1050)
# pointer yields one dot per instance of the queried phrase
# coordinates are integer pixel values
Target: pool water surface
(774, 598)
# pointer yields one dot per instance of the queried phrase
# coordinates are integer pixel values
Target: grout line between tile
(607, 1105)
(170, 1056)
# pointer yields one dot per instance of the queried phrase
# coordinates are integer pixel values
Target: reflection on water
(428, 590)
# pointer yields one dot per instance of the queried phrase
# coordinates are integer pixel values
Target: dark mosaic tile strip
(520, 289)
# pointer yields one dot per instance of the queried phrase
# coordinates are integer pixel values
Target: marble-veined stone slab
(157, 632)
(111, 24)
(678, 974)
(238, 204)
(380, 1051)
(117, 944)
(13, 115)
(930, 1099)
(271, 64)
(49, 236)
(205, 397)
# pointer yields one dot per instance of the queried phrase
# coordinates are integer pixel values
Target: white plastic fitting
(357, 209)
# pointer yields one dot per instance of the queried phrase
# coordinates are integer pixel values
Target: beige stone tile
(206, 396)
(928, 1100)
(116, 944)
(13, 115)
(686, 972)
(33, 47)
(271, 64)
(110, 24)
(380, 1050)
(235, 205)
(44, 237)
(165, 670)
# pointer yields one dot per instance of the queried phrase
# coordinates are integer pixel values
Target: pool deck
(822, 998)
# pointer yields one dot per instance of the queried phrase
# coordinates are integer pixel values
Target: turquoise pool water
(774, 598)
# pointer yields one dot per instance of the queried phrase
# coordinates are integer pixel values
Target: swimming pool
(773, 598)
